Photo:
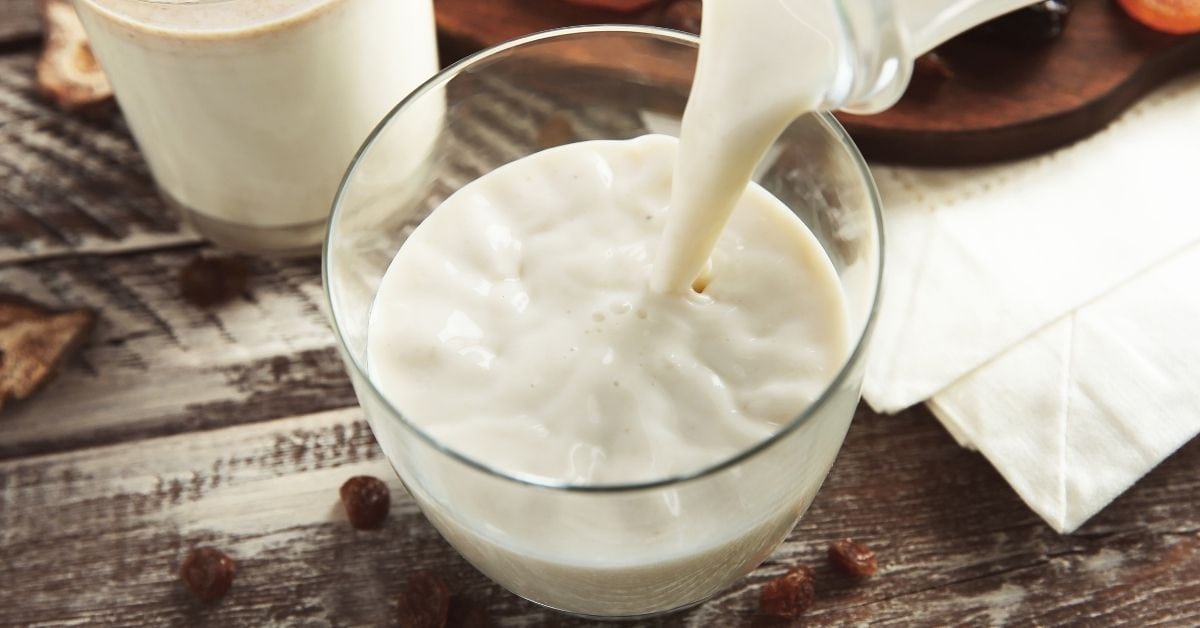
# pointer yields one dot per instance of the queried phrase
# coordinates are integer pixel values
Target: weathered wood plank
(71, 183)
(158, 365)
(19, 22)
(96, 535)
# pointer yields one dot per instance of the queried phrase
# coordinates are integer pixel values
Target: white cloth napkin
(1048, 309)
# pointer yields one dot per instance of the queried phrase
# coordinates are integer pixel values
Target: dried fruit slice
(33, 342)
(67, 72)
(1179, 17)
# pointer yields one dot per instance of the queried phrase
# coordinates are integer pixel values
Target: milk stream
(545, 321)
(517, 326)
(758, 70)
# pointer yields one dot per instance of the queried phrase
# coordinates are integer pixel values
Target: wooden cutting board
(998, 103)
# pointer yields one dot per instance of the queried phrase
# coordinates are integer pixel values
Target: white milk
(762, 64)
(249, 111)
(516, 325)
(554, 320)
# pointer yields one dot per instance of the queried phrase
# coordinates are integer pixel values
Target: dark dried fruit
(855, 559)
(466, 613)
(424, 602)
(789, 595)
(208, 573)
(682, 15)
(207, 281)
(366, 500)
(1029, 27)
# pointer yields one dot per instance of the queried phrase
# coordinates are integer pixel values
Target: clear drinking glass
(618, 550)
(248, 112)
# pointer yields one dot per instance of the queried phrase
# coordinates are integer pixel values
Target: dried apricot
(1179, 17)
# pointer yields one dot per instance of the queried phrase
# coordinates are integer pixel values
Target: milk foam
(516, 323)
(542, 322)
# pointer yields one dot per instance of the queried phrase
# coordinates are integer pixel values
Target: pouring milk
(610, 313)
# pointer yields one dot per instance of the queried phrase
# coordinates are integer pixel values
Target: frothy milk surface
(209, 18)
(613, 312)
(516, 324)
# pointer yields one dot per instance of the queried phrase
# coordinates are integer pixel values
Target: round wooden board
(998, 104)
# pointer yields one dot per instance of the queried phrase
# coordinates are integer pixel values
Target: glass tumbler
(594, 550)
(248, 112)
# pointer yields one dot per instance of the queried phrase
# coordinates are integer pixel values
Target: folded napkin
(1047, 308)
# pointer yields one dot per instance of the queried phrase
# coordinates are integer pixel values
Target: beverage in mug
(249, 111)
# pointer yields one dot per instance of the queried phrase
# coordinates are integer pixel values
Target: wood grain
(1002, 102)
(1005, 103)
(97, 535)
(71, 184)
(466, 26)
(158, 365)
(19, 24)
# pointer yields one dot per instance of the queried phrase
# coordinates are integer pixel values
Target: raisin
(424, 602)
(682, 15)
(855, 559)
(466, 613)
(789, 595)
(1029, 27)
(207, 281)
(208, 573)
(366, 500)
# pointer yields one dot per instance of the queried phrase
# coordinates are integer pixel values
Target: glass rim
(297, 11)
(534, 481)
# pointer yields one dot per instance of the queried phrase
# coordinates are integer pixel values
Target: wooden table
(178, 427)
